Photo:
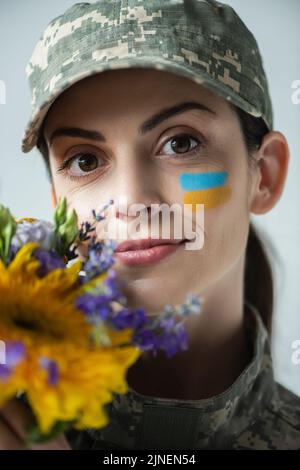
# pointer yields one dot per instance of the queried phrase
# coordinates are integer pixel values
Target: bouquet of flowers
(68, 333)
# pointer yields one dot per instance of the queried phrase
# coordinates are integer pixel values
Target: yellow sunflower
(26, 219)
(64, 374)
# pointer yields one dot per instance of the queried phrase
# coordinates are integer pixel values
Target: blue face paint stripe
(195, 181)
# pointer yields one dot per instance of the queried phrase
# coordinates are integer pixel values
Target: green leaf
(8, 227)
(33, 432)
(35, 436)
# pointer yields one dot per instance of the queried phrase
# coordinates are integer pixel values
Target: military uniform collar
(141, 421)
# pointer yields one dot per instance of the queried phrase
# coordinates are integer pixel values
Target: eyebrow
(147, 126)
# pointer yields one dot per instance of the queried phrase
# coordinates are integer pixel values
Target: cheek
(224, 244)
(83, 197)
(210, 189)
(225, 225)
(209, 197)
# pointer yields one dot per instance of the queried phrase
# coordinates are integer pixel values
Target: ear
(53, 197)
(271, 171)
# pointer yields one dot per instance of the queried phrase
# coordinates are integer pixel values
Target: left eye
(181, 144)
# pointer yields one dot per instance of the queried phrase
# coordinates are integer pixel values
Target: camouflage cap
(203, 40)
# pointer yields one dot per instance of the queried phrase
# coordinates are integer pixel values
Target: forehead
(131, 89)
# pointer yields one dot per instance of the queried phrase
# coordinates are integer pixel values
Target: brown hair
(258, 275)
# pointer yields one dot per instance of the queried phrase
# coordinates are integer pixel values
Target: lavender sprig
(84, 234)
(99, 259)
(168, 334)
(163, 333)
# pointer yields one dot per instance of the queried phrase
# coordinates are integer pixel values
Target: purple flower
(39, 231)
(145, 339)
(167, 322)
(127, 318)
(49, 261)
(193, 305)
(113, 287)
(96, 307)
(14, 352)
(173, 340)
(52, 368)
(100, 258)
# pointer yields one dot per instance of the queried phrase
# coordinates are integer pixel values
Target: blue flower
(145, 339)
(173, 340)
(14, 353)
(49, 261)
(99, 258)
(52, 368)
(127, 318)
(113, 287)
(39, 231)
(96, 307)
(193, 305)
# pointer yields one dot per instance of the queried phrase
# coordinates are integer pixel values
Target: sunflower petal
(24, 263)
(62, 279)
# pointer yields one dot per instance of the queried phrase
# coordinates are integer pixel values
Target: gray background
(25, 189)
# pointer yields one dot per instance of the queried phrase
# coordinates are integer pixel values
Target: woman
(184, 77)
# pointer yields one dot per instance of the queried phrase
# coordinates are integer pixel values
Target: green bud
(60, 213)
(67, 232)
(8, 228)
(66, 229)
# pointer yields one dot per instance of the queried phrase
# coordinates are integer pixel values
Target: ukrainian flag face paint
(210, 189)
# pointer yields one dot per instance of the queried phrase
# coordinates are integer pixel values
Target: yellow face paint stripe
(209, 197)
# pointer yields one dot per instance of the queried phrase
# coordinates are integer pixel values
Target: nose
(137, 182)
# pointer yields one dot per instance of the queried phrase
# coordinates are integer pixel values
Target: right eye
(80, 165)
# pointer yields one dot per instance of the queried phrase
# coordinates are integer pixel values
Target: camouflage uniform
(205, 41)
(255, 412)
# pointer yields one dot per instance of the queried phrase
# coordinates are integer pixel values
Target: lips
(147, 251)
(143, 244)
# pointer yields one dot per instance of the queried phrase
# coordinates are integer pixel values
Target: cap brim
(31, 134)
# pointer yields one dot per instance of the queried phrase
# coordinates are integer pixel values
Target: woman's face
(154, 167)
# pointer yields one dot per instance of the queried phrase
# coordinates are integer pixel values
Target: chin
(152, 295)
